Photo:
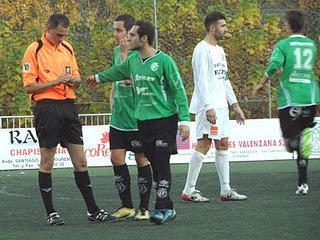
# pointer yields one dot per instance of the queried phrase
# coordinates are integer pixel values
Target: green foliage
(180, 28)
(11, 89)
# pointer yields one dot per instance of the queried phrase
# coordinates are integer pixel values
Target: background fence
(28, 121)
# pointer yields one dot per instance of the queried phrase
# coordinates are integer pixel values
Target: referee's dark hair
(212, 18)
(145, 28)
(295, 20)
(128, 20)
(58, 19)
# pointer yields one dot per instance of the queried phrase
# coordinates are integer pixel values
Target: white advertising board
(258, 139)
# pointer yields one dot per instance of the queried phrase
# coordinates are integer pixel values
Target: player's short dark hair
(145, 28)
(296, 20)
(58, 19)
(127, 19)
(212, 18)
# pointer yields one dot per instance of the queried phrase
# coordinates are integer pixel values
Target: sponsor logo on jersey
(141, 90)
(154, 66)
(220, 71)
(144, 78)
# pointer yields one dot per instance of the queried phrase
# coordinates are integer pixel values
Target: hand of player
(257, 89)
(127, 82)
(239, 115)
(211, 116)
(185, 132)
(91, 82)
(61, 79)
(124, 48)
(73, 82)
(124, 45)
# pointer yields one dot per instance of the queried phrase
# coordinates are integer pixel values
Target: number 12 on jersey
(303, 58)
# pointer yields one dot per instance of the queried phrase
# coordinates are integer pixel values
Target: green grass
(272, 210)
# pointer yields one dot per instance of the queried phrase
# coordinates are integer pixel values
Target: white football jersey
(212, 88)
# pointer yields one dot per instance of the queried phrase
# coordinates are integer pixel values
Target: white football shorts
(203, 127)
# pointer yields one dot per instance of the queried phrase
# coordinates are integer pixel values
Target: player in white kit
(212, 94)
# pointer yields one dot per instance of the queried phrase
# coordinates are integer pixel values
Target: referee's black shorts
(57, 121)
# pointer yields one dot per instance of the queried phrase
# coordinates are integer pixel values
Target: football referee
(50, 73)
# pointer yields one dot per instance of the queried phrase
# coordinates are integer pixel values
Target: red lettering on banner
(100, 151)
(25, 152)
(258, 143)
(232, 144)
(93, 152)
(61, 150)
(280, 142)
(12, 152)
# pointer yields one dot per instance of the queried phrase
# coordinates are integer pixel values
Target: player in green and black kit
(124, 135)
(160, 101)
(298, 92)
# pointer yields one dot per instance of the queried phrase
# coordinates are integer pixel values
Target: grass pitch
(272, 210)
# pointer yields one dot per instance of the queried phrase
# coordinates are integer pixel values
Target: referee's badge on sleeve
(26, 67)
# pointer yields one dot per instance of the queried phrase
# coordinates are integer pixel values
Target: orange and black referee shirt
(49, 64)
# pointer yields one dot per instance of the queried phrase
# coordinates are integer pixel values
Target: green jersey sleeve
(176, 85)
(115, 73)
(276, 61)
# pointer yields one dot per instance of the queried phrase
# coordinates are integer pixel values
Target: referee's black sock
(83, 182)
(302, 165)
(122, 181)
(45, 185)
(145, 183)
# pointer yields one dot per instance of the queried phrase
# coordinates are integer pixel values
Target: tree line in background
(254, 28)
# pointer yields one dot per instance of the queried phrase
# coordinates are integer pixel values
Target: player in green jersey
(160, 101)
(124, 135)
(298, 92)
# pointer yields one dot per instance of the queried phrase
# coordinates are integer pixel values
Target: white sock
(195, 165)
(222, 165)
